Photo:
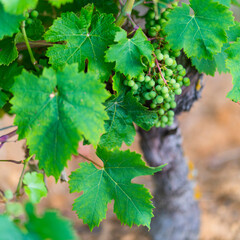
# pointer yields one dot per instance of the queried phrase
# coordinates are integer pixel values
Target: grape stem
(90, 160)
(4, 128)
(33, 44)
(4, 138)
(159, 69)
(33, 60)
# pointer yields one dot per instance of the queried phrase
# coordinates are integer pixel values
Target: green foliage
(87, 38)
(34, 186)
(58, 3)
(132, 203)
(67, 105)
(8, 51)
(18, 6)
(123, 111)
(129, 52)
(202, 34)
(232, 63)
(9, 23)
(35, 30)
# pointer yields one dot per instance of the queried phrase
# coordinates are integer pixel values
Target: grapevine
(84, 71)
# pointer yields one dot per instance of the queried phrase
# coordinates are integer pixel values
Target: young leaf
(49, 226)
(66, 105)
(58, 3)
(132, 201)
(34, 186)
(35, 30)
(87, 37)
(202, 34)
(8, 51)
(123, 110)
(128, 53)
(18, 6)
(9, 23)
(233, 62)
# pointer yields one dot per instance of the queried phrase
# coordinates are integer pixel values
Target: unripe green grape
(131, 83)
(161, 111)
(186, 81)
(165, 56)
(29, 21)
(169, 72)
(152, 83)
(173, 104)
(172, 81)
(181, 84)
(179, 67)
(155, 45)
(26, 15)
(153, 105)
(157, 51)
(152, 33)
(138, 98)
(128, 77)
(167, 78)
(135, 87)
(152, 64)
(159, 99)
(175, 4)
(165, 14)
(179, 78)
(165, 51)
(176, 53)
(162, 21)
(176, 85)
(166, 106)
(163, 125)
(182, 72)
(151, 14)
(167, 47)
(146, 96)
(147, 79)
(168, 61)
(125, 82)
(34, 14)
(170, 113)
(158, 27)
(169, 99)
(157, 124)
(141, 78)
(164, 90)
(159, 57)
(166, 95)
(164, 119)
(148, 86)
(178, 91)
(158, 88)
(160, 81)
(152, 94)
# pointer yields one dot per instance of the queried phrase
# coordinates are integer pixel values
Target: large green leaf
(18, 6)
(66, 105)
(50, 226)
(132, 203)
(8, 51)
(34, 186)
(209, 66)
(128, 53)
(233, 63)
(87, 37)
(9, 24)
(201, 34)
(123, 111)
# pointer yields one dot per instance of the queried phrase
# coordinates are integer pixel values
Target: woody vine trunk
(177, 215)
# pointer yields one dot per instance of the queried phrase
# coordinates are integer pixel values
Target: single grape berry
(34, 14)
(29, 21)
(131, 83)
(169, 61)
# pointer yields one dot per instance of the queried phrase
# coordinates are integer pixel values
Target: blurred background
(211, 142)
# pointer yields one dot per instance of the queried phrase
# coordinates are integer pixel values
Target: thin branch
(13, 161)
(159, 69)
(5, 137)
(4, 128)
(90, 160)
(33, 44)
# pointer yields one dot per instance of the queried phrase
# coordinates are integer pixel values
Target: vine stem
(125, 12)
(13, 161)
(25, 162)
(4, 128)
(33, 60)
(159, 69)
(90, 160)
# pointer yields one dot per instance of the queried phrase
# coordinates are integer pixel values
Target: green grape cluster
(163, 78)
(31, 16)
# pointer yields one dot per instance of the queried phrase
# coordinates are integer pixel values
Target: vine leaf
(49, 226)
(128, 53)
(202, 34)
(58, 3)
(35, 30)
(209, 66)
(8, 52)
(66, 105)
(233, 62)
(123, 110)
(7, 75)
(9, 23)
(132, 201)
(224, 2)
(87, 37)
(34, 186)
(18, 6)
